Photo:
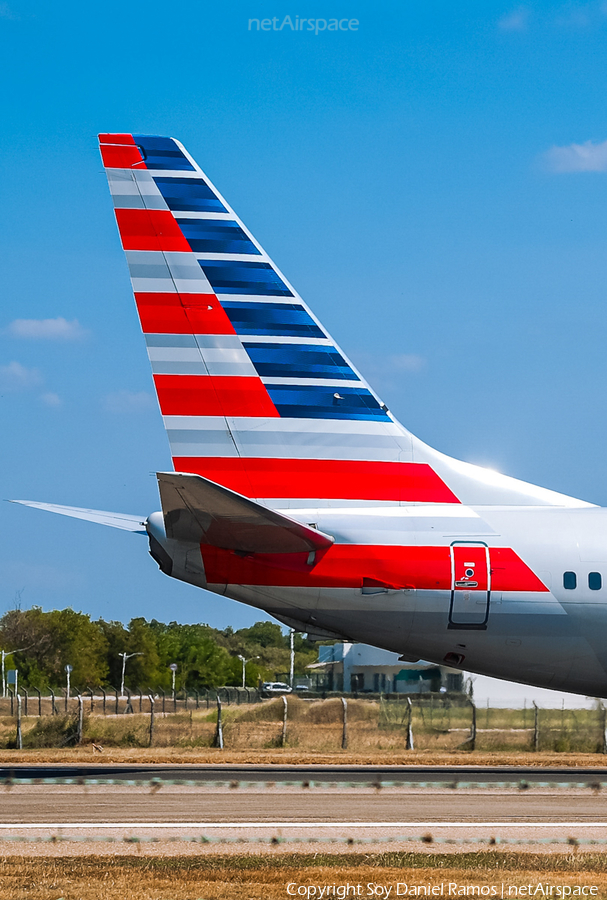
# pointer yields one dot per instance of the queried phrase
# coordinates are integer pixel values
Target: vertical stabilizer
(255, 393)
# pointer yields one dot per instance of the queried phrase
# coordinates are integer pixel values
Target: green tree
(54, 639)
(116, 637)
(201, 661)
(264, 634)
(205, 657)
(141, 670)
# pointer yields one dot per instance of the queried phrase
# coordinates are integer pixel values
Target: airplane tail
(255, 394)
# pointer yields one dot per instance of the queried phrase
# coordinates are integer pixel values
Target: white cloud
(587, 157)
(58, 329)
(406, 362)
(517, 20)
(50, 398)
(15, 377)
(577, 17)
(128, 402)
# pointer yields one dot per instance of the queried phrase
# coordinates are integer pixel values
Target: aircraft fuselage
(531, 606)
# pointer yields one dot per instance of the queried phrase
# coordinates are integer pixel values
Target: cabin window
(570, 581)
(595, 581)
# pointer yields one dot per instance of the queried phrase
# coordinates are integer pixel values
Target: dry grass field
(287, 756)
(265, 877)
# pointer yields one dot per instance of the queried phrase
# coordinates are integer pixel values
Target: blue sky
(434, 185)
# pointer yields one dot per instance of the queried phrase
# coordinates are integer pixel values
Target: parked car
(275, 687)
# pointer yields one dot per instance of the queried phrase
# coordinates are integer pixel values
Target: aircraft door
(470, 585)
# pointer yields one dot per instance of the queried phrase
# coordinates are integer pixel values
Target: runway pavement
(58, 804)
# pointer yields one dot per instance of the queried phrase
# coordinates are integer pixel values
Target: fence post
(53, 707)
(409, 744)
(129, 705)
(19, 736)
(344, 732)
(163, 698)
(80, 718)
(92, 696)
(151, 719)
(140, 700)
(39, 702)
(283, 739)
(116, 701)
(104, 700)
(219, 730)
(536, 727)
(12, 696)
(470, 744)
(25, 713)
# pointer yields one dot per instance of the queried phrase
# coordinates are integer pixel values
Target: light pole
(4, 654)
(125, 656)
(173, 668)
(244, 663)
(68, 670)
(292, 667)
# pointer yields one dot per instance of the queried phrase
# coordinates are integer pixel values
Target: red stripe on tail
(164, 313)
(121, 157)
(119, 151)
(213, 395)
(150, 229)
(321, 478)
(116, 139)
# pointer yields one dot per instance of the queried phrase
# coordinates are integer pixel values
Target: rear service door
(470, 585)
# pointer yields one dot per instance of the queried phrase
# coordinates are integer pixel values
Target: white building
(360, 667)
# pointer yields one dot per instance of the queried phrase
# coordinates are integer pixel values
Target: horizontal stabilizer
(198, 510)
(114, 520)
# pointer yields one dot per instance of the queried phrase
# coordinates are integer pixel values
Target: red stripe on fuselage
(150, 229)
(342, 479)
(347, 565)
(508, 571)
(213, 395)
(172, 313)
